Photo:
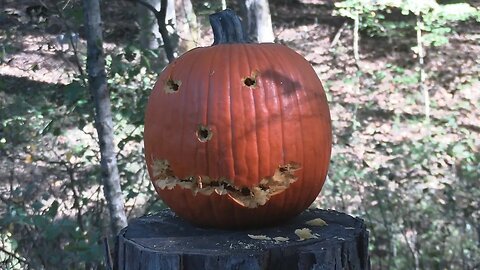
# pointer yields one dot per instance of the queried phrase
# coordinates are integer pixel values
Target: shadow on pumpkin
(296, 103)
(289, 86)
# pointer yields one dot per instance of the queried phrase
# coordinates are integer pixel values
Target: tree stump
(165, 241)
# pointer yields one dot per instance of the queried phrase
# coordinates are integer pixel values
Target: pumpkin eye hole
(204, 133)
(172, 86)
(249, 81)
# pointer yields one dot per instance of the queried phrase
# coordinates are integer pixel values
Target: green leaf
(457, 11)
(73, 92)
(40, 221)
(75, 15)
(53, 209)
(37, 205)
(52, 232)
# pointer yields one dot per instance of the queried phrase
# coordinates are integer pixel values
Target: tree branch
(160, 15)
(73, 44)
(108, 256)
(336, 38)
(148, 6)
(356, 38)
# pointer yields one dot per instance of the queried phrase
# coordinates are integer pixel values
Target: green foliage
(432, 216)
(58, 220)
(131, 81)
(396, 18)
(416, 193)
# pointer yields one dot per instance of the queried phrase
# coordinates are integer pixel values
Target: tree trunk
(421, 68)
(478, 236)
(186, 25)
(257, 20)
(149, 34)
(103, 115)
(356, 38)
(164, 19)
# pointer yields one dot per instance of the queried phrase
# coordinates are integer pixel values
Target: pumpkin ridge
(230, 117)
(262, 120)
(254, 159)
(280, 96)
(262, 51)
(299, 119)
(313, 94)
(186, 94)
(212, 168)
(239, 119)
(257, 90)
(212, 119)
(200, 99)
(236, 215)
(266, 156)
(207, 112)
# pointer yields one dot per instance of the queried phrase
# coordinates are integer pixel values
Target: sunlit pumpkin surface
(238, 135)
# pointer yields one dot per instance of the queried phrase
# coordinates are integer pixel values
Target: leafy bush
(60, 218)
(396, 18)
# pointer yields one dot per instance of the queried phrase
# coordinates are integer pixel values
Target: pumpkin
(237, 135)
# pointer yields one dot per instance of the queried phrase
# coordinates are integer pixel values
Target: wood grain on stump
(164, 241)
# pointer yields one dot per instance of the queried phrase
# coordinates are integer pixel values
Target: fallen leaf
(28, 159)
(304, 234)
(259, 237)
(281, 239)
(316, 222)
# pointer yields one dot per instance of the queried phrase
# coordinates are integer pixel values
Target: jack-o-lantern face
(237, 135)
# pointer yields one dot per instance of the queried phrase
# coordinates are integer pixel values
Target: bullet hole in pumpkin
(249, 82)
(249, 197)
(172, 86)
(204, 133)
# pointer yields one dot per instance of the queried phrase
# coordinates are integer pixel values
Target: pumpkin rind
(235, 115)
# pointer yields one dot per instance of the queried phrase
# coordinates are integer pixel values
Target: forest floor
(377, 107)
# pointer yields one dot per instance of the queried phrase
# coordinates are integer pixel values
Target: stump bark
(165, 241)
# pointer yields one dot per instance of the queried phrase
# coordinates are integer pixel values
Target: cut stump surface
(165, 241)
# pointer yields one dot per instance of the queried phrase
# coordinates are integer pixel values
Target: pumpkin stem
(227, 27)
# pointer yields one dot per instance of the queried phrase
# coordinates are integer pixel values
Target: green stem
(227, 28)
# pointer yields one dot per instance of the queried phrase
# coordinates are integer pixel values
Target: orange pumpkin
(237, 135)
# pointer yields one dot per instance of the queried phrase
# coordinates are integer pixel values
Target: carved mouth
(250, 197)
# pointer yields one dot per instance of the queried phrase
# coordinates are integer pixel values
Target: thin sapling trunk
(97, 81)
(421, 68)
